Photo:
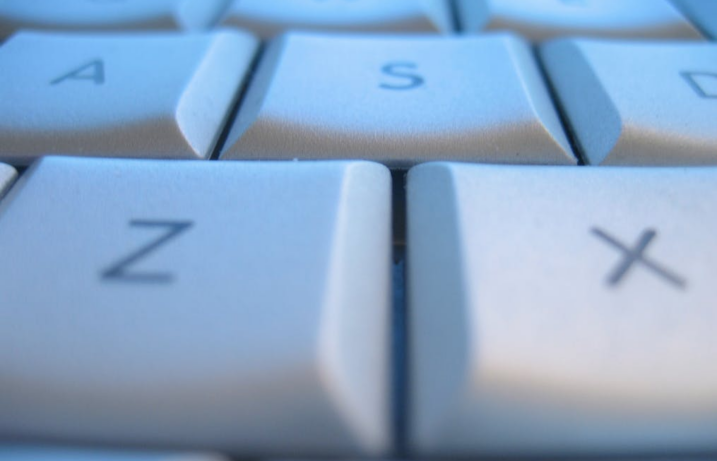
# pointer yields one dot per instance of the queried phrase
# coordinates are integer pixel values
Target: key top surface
(638, 103)
(562, 311)
(542, 19)
(108, 14)
(267, 19)
(394, 100)
(7, 176)
(22, 453)
(157, 95)
(238, 307)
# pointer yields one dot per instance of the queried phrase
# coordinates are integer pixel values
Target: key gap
(456, 22)
(399, 320)
(399, 355)
(236, 103)
(562, 115)
(398, 205)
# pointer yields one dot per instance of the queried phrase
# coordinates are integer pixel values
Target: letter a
(94, 71)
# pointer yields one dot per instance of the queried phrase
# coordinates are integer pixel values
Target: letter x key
(636, 255)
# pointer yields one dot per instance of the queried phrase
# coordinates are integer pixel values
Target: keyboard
(348, 229)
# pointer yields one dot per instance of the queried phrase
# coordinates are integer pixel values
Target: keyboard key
(542, 19)
(396, 101)
(7, 176)
(67, 454)
(108, 15)
(562, 311)
(267, 19)
(238, 307)
(701, 12)
(118, 96)
(638, 103)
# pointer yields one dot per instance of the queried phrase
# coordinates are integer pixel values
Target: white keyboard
(331, 229)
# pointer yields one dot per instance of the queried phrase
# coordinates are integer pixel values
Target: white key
(542, 19)
(396, 101)
(242, 307)
(638, 103)
(108, 14)
(118, 96)
(268, 19)
(562, 310)
(701, 12)
(7, 177)
(21, 453)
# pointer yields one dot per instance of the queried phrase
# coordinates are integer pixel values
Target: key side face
(655, 101)
(701, 12)
(7, 176)
(576, 306)
(200, 304)
(161, 95)
(393, 100)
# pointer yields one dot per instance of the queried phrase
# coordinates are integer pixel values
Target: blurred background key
(108, 14)
(269, 18)
(542, 19)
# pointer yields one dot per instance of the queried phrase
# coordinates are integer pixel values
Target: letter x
(636, 255)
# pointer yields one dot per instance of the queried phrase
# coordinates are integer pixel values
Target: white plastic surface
(237, 307)
(7, 176)
(562, 311)
(632, 103)
(395, 100)
(153, 95)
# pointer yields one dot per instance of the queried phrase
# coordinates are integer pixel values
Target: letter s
(398, 69)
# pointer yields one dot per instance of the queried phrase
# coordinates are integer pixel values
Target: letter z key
(232, 306)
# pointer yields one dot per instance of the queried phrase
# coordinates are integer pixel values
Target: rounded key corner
(238, 34)
(8, 175)
(366, 171)
(368, 166)
(548, 45)
(507, 35)
(282, 38)
(6, 168)
(440, 165)
(430, 173)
